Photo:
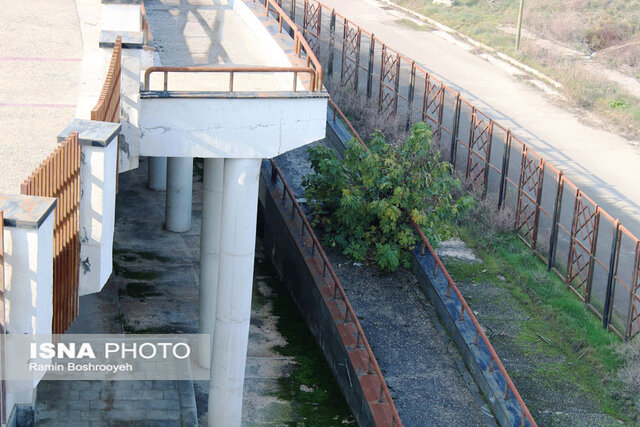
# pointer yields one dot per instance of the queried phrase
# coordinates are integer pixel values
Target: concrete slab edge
(475, 43)
(302, 275)
(477, 357)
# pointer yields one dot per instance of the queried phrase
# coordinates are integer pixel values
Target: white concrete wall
(121, 17)
(97, 216)
(29, 278)
(95, 61)
(130, 108)
(230, 128)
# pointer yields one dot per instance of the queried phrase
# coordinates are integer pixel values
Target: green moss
(324, 405)
(138, 290)
(136, 275)
(165, 329)
(151, 256)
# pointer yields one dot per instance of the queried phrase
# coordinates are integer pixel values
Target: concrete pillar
(235, 278)
(158, 173)
(98, 142)
(179, 188)
(28, 279)
(210, 250)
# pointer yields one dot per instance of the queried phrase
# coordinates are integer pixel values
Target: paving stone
(86, 395)
(91, 415)
(79, 405)
(100, 404)
(170, 395)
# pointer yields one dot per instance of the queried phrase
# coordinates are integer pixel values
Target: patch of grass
(554, 313)
(584, 26)
(322, 404)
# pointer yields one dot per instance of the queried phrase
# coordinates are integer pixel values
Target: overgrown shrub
(362, 201)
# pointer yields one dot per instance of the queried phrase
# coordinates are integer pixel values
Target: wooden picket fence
(59, 176)
(108, 107)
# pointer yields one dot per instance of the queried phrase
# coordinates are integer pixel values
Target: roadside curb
(475, 43)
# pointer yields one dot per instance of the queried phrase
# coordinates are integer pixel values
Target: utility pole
(519, 24)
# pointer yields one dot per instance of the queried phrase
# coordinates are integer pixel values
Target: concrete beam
(238, 125)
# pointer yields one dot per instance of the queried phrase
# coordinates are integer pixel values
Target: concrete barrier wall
(303, 277)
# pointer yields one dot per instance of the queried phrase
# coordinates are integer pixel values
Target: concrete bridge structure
(234, 92)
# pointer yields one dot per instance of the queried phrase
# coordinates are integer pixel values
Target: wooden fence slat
(59, 176)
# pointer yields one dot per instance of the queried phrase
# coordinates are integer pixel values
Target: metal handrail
(231, 70)
(299, 41)
(350, 315)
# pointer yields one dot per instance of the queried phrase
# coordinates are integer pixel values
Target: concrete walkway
(40, 64)
(603, 164)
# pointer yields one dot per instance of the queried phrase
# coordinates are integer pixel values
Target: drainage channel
(421, 366)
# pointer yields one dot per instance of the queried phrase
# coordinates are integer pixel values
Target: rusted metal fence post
(372, 49)
(505, 168)
(488, 158)
(396, 85)
(454, 131)
(633, 287)
(592, 255)
(332, 40)
(536, 220)
(412, 82)
(613, 269)
(557, 208)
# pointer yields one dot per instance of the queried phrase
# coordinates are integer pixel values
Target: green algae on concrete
(316, 399)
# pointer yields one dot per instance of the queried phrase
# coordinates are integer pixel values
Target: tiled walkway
(155, 290)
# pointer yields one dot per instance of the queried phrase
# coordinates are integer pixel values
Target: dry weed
(629, 374)
(364, 115)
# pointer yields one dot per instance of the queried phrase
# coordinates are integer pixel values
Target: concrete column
(179, 189)
(28, 275)
(98, 142)
(210, 250)
(235, 278)
(158, 173)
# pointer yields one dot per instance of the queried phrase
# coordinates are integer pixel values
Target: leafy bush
(362, 201)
